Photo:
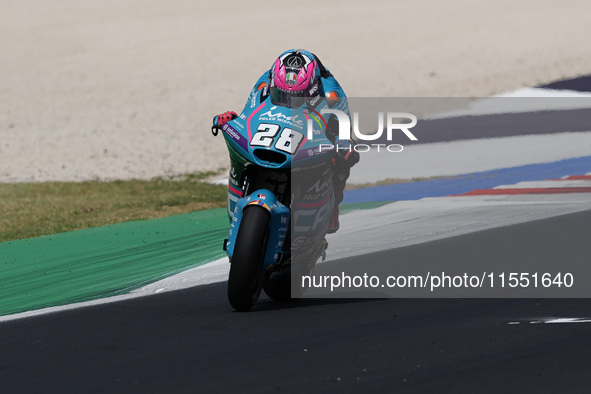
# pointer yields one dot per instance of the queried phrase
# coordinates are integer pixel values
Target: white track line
(554, 320)
(550, 183)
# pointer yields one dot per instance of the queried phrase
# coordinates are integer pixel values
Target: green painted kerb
(88, 264)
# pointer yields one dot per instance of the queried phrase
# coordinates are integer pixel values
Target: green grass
(34, 209)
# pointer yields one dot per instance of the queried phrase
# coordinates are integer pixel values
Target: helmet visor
(286, 98)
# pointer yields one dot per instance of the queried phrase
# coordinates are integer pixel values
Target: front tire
(246, 269)
(280, 290)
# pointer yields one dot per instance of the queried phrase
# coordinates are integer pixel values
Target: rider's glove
(345, 158)
(222, 119)
(346, 154)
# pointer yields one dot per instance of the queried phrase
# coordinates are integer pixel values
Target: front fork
(278, 225)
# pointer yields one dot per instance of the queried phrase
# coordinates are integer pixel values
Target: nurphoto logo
(392, 123)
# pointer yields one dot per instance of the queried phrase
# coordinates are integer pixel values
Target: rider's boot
(334, 221)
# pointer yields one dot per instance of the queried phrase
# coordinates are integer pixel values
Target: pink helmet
(294, 74)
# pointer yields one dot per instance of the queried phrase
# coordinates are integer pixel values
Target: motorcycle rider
(299, 74)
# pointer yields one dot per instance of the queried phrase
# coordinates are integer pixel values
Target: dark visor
(286, 98)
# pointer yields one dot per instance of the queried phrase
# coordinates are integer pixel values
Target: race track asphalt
(191, 341)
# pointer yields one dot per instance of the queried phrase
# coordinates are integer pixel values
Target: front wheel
(280, 290)
(246, 270)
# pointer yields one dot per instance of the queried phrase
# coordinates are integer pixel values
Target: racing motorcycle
(280, 199)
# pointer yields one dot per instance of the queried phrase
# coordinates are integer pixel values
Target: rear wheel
(246, 270)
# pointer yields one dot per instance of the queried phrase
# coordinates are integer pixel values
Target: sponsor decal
(294, 61)
(291, 78)
(314, 89)
(234, 135)
(259, 203)
(253, 98)
(281, 118)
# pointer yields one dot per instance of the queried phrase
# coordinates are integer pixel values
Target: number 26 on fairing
(288, 141)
